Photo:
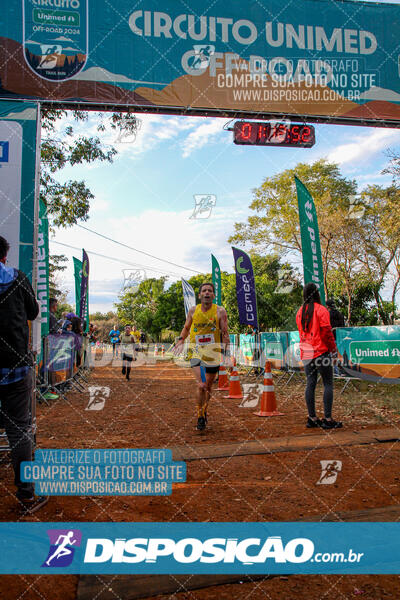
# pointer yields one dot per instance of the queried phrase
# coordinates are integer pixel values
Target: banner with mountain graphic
(308, 58)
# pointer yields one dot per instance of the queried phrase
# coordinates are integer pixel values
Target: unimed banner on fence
(311, 57)
(18, 129)
(274, 345)
(247, 346)
(373, 352)
(292, 356)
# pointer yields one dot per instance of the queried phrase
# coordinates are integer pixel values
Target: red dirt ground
(156, 410)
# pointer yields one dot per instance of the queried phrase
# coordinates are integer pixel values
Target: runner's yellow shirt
(205, 332)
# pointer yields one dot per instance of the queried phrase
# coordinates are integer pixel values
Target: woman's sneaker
(331, 424)
(313, 423)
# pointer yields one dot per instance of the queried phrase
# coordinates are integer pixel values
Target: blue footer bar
(200, 548)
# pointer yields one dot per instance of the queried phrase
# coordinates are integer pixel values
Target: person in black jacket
(53, 323)
(17, 305)
(336, 317)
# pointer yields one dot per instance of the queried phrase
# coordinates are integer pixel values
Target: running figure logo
(133, 278)
(50, 56)
(98, 396)
(330, 470)
(203, 205)
(251, 395)
(61, 552)
(285, 281)
(201, 57)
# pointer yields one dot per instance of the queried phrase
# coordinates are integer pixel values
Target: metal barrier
(365, 353)
(61, 366)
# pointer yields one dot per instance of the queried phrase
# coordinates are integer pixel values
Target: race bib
(205, 339)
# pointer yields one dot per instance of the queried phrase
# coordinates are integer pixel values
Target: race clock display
(265, 133)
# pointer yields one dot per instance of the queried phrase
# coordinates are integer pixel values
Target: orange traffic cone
(162, 350)
(268, 399)
(156, 350)
(223, 383)
(235, 389)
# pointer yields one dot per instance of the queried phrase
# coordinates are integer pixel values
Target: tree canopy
(68, 202)
(153, 307)
(359, 233)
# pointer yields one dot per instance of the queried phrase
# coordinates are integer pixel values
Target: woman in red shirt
(317, 345)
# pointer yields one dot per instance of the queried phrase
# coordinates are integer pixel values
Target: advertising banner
(189, 297)
(371, 353)
(60, 352)
(78, 269)
(216, 279)
(245, 288)
(199, 548)
(77, 277)
(84, 299)
(310, 243)
(274, 345)
(18, 131)
(43, 269)
(247, 346)
(316, 58)
(292, 356)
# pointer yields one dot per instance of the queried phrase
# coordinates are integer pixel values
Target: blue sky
(145, 198)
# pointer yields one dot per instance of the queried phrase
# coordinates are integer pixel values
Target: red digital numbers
(262, 132)
(278, 134)
(246, 131)
(295, 130)
(306, 135)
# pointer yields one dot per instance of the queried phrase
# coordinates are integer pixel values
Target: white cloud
(98, 204)
(154, 130)
(192, 133)
(169, 235)
(364, 146)
(373, 178)
(203, 135)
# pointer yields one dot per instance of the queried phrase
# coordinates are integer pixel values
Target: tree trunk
(349, 309)
(381, 312)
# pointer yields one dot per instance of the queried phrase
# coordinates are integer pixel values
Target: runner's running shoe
(201, 423)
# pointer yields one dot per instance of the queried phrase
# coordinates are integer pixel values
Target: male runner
(114, 336)
(207, 326)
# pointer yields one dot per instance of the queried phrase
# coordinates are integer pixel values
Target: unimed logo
(190, 550)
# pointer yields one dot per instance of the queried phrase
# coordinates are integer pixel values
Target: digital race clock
(273, 134)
